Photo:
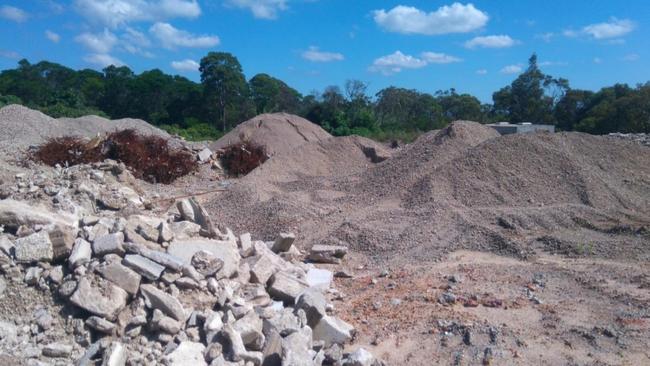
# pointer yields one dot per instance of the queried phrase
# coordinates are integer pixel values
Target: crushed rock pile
(89, 275)
(641, 138)
(276, 132)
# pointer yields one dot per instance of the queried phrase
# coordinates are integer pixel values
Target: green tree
(223, 82)
(272, 95)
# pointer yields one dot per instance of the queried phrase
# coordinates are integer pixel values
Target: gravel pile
(641, 138)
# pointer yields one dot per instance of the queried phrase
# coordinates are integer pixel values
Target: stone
(327, 253)
(250, 328)
(115, 355)
(186, 283)
(333, 330)
(8, 332)
(122, 276)
(162, 301)
(313, 303)
(184, 230)
(272, 352)
(202, 218)
(32, 275)
(237, 351)
(185, 209)
(165, 259)
(43, 319)
(62, 239)
(57, 350)
(67, 288)
(144, 266)
(265, 267)
(187, 353)
(165, 323)
(213, 351)
(100, 324)
(148, 232)
(56, 274)
(360, 357)
(110, 243)
(103, 299)
(204, 155)
(185, 249)
(285, 287)
(165, 233)
(283, 243)
(319, 278)
(296, 348)
(15, 213)
(6, 246)
(245, 245)
(284, 322)
(81, 253)
(34, 248)
(206, 263)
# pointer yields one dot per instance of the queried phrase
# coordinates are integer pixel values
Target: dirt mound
(277, 132)
(22, 127)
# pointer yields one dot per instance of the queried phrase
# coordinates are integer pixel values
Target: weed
(241, 158)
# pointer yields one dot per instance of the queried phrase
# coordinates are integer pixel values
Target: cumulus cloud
(114, 13)
(135, 42)
(631, 57)
(313, 54)
(54, 37)
(455, 18)
(13, 13)
(171, 37)
(497, 41)
(98, 43)
(103, 60)
(185, 65)
(262, 9)
(604, 31)
(397, 61)
(511, 69)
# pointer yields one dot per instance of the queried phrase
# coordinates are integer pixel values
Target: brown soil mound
(277, 132)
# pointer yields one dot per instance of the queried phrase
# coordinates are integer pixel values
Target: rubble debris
(327, 253)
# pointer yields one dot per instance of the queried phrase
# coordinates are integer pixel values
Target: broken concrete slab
(327, 253)
(319, 278)
(283, 242)
(185, 229)
(206, 263)
(81, 253)
(122, 276)
(100, 324)
(333, 330)
(101, 297)
(144, 266)
(34, 248)
(286, 287)
(115, 355)
(185, 249)
(165, 259)
(187, 353)
(16, 213)
(62, 239)
(107, 244)
(157, 299)
(313, 302)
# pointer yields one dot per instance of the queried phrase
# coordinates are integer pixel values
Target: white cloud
(135, 42)
(553, 63)
(52, 36)
(546, 37)
(439, 58)
(99, 43)
(454, 18)
(481, 72)
(511, 69)
(114, 13)
(497, 41)
(397, 61)
(313, 54)
(186, 65)
(14, 14)
(171, 37)
(9, 54)
(613, 29)
(262, 9)
(631, 57)
(103, 60)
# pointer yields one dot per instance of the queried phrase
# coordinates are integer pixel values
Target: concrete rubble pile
(174, 289)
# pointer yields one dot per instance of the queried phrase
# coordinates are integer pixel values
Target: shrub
(241, 158)
(149, 157)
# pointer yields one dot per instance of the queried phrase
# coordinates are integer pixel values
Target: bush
(149, 157)
(241, 158)
(198, 131)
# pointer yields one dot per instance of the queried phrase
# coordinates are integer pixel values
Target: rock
(343, 274)
(265, 267)
(245, 245)
(283, 243)
(34, 248)
(122, 276)
(144, 266)
(272, 352)
(43, 319)
(81, 253)
(169, 261)
(250, 329)
(206, 263)
(3, 287)
(67, 288)
(202, 218)
(115, 355)
(165, 323)
(285, 287)
(103, 299)
(204, 155)
(165, 233)
(162, 301)
(185, 209)
(57, 350)
(184, 230)
(327, 253)
(32, 275)
(333, 330)
(8, 332)
(185, 249)
(187, 353)
(100, 324)
(296, 348)
(14, 214)
(110, 243)
(360, 357)
(213, 351)
(62, 241)
(284, 322)
(6, 246)
(237, 351)
(56, 275)
(313, 303)
(319, 278)
(148, 232)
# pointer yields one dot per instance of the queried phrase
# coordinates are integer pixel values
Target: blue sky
(475, 47)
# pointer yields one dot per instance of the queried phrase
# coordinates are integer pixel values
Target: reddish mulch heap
(149, 157)
(241, 158)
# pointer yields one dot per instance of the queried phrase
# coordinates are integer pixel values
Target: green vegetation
(224, 98)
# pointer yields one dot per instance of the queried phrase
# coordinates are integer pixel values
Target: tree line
(224, 98)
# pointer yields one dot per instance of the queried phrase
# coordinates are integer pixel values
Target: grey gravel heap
(172, 290)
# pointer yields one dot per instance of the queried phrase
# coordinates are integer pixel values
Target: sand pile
(277, 132)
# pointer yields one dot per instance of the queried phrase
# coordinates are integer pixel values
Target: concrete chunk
(103, 299)
(115, 355)
(185, 249)
(122, 276)
(81, 253)
(286, 287)
(111, 243)
(164, 302)
(313, 303)
(100, 324)
(185, 230)
(144, 266)
(34, 248)
(165, 259)
(333, 330)
(62, 239)
(327, 253)
(283, 243)
(187, 353)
